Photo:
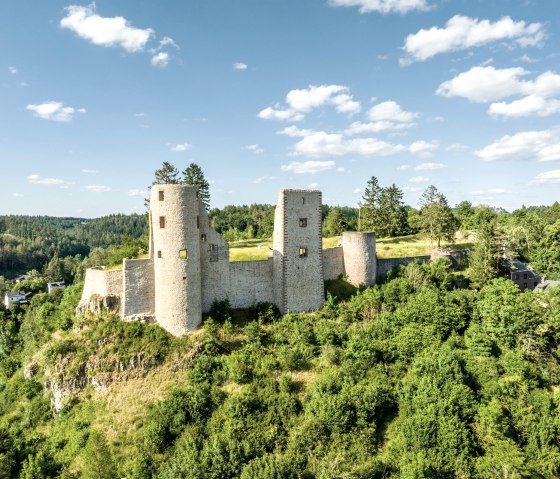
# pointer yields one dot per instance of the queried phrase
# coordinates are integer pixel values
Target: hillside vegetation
(408, 379)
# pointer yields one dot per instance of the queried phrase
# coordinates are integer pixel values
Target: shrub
(263, 311)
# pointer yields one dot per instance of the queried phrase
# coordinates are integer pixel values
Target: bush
(220, 311)
(263, 311)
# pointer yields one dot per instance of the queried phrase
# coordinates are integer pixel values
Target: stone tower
(298, 251)
(175, 251)
(360, 262)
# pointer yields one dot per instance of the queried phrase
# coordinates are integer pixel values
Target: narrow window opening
(302, 252)
(524, 285)
(161, 195)
(162, 221)
(183, 254)
(303, 200)
(303, 222)
(525, 276)
(213, 252)
(198, 222)
(159, 254)
(203, 237)
(197, 194)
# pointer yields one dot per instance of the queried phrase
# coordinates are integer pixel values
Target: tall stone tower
(298, 251)
(360, 261)
(175, 250)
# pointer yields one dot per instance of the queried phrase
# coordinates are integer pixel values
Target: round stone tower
(360, 262)
(175, 250)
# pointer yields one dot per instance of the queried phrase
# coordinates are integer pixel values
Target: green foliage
(335, 223)
(436, 219)
(97, 459)
(193, 175)
(383, 210)
(220, 311)
(264, 312)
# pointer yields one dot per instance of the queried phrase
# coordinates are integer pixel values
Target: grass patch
(413, 245)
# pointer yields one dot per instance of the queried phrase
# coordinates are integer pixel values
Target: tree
(393, 211)
(193, 175)
(436, 218)
(484, 260)
(335, 223)
(384, 210)
(97, 459)
(372, 202)
(166, 175)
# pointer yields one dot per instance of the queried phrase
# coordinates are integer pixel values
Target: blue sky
(272, 94)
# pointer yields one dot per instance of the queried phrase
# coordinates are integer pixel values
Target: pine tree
(484, 258)
(193, 175)
(166, 175)
(372, 202)
(335, 223)
(392, 212)
(436, 217)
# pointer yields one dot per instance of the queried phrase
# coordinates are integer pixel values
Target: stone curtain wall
(333, 263)
(251, 282)
(102, 283)
(214, 260)
(138, 290)
(387, 264)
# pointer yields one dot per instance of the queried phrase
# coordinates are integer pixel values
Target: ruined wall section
(138, 301)
(360, 262)
(102, 282)
(387, 264)
(333, 263)
(214, 261)
(177, 268)
(298, 251)
(251, 282)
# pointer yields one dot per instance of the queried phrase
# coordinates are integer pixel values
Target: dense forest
(413, 378)
(433, 373)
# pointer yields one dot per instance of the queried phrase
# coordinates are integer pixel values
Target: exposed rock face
(96, 303)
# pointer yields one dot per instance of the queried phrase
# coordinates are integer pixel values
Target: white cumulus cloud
(382, 6)
(256, 149)
(540, 145)
(54, 110)
(462, 33)
(390, 111)
(423, 148)
(301, 101)
(311, 167)
(181, 147)
(160, 59)
(38, 180)
(240, 66)
(137, 192)
(419, 179)
(548, 177)
(488, 84)
(13, 70)
(358, 127)
(97, 188)
(429, 166)
(321, 143)
(105, 31)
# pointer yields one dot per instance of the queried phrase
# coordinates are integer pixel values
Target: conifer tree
(335, 223)
(193, 175)
(166, 175)
(436, 217)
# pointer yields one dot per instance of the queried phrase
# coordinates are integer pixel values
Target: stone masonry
(189, 268)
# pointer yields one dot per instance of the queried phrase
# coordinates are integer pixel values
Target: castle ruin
(188, 266)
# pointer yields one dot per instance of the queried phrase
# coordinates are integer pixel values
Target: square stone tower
(298, 251)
